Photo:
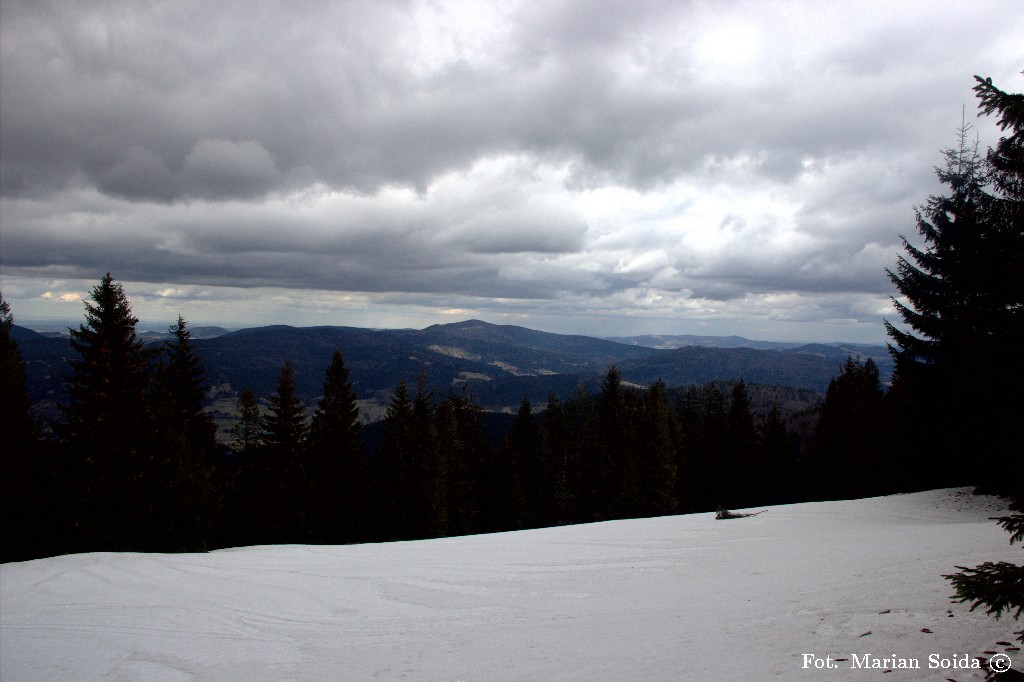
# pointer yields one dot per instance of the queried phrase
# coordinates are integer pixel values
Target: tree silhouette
(27, 488)
(187, 449)
(109, 430)
(963, 302)
(337, 473)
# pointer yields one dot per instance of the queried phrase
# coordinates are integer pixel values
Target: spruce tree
(284, 476)
(529, 477)
(187, 446)
(284, 424)
(27, 488)
(619, 475)
(587, 470)
(742, 466)
(16, 422)
(245, 482)
(108, 430)
(708, 449)
(848, 452)
(1005, 215)
(777, 474)
(999, 586)
(337, 472)
(467, 452)
(394, 469)
(656, 454)
(429, 496)
(564, 476)
(962, 301)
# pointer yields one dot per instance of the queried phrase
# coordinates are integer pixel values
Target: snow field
(671, 598)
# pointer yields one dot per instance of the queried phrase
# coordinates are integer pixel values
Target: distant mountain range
(499, 363)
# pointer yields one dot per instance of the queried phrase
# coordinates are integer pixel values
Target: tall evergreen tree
(16, 422)
(619, 475)
(708, 451)
(394, 477)
(777, 475)
(656, 454)
(460, 431)
(187, 446)
(244, 489)
(999, 586)
(848, 452)
(285, 480)
(963, 301)
(529, 478)
(284, 424)
(27, 490)
(564, 476)
(587, 457)
(1005, 215)
(430, 459)
(337, 473)
(741, 466)
(109, 430)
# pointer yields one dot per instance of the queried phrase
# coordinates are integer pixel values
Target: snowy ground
(674, 598)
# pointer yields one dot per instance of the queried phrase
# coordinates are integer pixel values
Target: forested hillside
(500, 363)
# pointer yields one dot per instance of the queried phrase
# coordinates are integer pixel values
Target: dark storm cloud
(199, 100)
(635, 156)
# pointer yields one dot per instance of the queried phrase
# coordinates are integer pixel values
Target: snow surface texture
(672, 598)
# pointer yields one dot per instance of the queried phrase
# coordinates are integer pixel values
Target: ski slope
(672, 598)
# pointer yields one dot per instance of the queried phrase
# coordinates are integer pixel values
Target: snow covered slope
(674, 598)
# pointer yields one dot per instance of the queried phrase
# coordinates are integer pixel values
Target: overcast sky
(589, 166)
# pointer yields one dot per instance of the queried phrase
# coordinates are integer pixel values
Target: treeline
(135, 463)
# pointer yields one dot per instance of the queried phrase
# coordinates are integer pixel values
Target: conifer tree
(516, 476)
(244, 480)
(741, 465)
(849, 443)
(460, 432)
(963, 301)
(394, 465)
(285, 478)
(656, 455)
(1005, 215)
(619, 472)
(248, 432)
(284, 424)
(16, 423)
(564, 476)
(708, 449)
(777, 474)
(108, 430)
(529, 479)
(187, 447)
(999, 586)
(337, 473)
(27, 490)
(587, 457)
(430, 468)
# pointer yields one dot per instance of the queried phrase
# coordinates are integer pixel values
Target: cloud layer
(579, 165)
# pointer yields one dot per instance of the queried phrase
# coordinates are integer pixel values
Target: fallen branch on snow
(726, 514)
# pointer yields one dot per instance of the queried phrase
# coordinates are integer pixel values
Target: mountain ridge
(499, 364)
